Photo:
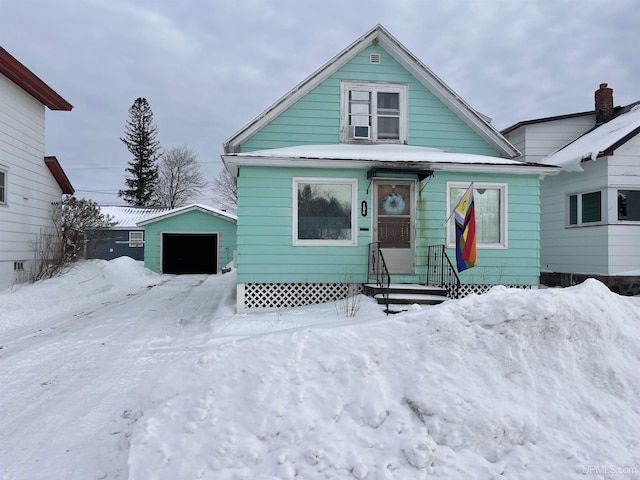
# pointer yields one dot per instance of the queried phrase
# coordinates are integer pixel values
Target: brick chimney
(604, 103)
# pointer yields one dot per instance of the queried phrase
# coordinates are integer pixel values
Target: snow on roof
(128, 216)
(194, 206)
(596, 142)
(380, 153)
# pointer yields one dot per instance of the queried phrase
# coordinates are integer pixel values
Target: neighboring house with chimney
(590, 212)
(29, 181)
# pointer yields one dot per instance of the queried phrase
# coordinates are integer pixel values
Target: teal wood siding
(315, 119)
(265, 239)
(517, 264)
(193, 221)
(266, 253)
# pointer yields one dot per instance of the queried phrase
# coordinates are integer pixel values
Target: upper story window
(373, 112)
(3, 187)
(585, 208)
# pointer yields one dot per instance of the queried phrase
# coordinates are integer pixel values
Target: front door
(394, 223)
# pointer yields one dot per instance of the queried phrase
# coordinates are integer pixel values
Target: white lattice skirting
(273, 296)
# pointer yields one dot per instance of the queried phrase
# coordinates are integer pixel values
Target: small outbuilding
(189, 240)
(124, 238)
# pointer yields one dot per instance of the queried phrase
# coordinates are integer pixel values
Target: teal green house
(364, 161)
(189, 240)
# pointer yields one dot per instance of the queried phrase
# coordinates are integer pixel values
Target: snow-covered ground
(112, 371)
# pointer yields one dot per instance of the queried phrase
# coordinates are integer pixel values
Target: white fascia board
(300, 90)
(447, 96)
(516, 168)
(189, 208)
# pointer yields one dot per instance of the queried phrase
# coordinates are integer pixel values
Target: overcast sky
(208, 67)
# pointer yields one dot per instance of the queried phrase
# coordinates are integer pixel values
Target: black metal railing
(379, 273)
(440, 270)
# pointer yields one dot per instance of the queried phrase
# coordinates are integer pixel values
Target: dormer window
(373, 112)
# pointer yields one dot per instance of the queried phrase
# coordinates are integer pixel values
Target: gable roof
(380, 36)
(30, 83)
(58, 173)
(600, 141)
(546, 119)
(188, 208)
(127, 217)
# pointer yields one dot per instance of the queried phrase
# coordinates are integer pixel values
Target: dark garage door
(189, 253)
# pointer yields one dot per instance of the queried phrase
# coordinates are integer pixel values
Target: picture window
(324, 211)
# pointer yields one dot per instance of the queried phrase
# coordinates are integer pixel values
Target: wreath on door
(393, 204)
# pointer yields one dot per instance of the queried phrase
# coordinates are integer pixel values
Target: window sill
(323, 243)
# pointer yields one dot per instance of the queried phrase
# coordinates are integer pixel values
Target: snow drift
(510, 384)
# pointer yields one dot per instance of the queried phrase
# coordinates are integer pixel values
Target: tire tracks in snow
(81, 377)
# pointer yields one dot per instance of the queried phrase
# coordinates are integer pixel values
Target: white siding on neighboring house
(30, 185)
(577, 249)
(546, 137)
(518, 140)
(624, 237)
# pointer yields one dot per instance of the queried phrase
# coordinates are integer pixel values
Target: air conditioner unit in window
(360, 131)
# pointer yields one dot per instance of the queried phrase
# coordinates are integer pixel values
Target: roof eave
(301, 89)
(232, 162)
(535, 121)
(28, 81)
(187, 208)
(446, 95)
(58, 174)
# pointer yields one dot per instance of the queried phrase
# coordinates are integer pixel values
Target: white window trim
(504, 199)
(579, 195)
(5, 170)
(615, 197)
(134, 242)
(374, 87)
(353, 241)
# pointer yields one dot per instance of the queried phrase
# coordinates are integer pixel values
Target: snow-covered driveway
(114, 372)
(71, 375)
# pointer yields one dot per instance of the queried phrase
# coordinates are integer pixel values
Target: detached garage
(189, 240)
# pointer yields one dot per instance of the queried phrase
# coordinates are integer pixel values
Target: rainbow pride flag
(466, 232)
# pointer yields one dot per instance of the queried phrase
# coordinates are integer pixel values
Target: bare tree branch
(179, 177)
(226, 191)
(73, 219)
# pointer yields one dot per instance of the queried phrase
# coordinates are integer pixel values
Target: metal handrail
(379, 273)
(440, 270)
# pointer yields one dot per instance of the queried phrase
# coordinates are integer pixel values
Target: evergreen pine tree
(140, 139)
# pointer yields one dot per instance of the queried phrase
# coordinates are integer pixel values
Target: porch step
(407, 294)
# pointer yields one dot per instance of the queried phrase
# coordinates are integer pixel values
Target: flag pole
(457, 204)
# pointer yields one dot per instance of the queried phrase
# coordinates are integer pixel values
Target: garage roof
(187, 208)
